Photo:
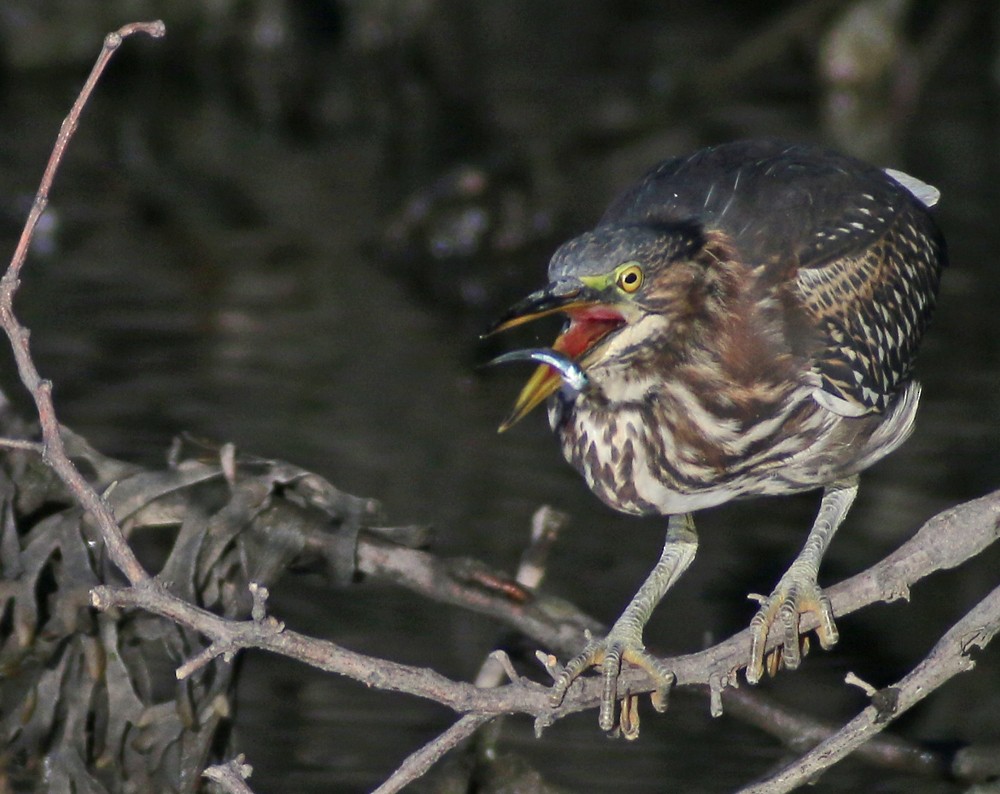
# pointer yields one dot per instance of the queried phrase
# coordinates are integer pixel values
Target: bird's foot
(797, 594)
(609, 653)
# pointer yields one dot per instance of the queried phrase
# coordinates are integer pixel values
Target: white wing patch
(928, 195)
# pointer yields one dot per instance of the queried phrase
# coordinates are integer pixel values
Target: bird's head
(606, 282)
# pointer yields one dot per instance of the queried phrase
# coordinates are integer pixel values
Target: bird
(742, 321)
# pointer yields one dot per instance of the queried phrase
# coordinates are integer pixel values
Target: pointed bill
(557, 371)
(590, 320)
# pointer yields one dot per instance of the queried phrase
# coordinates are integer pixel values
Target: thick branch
(942, 542)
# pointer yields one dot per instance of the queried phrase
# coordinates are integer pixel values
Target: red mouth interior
(587, 326)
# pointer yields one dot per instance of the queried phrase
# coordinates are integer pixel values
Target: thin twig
(27, 446)
(546, 524)
(53, 451)
(423, 759)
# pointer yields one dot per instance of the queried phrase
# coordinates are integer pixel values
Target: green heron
(741, 322)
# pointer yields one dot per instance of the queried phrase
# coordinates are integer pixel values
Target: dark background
(286, 224)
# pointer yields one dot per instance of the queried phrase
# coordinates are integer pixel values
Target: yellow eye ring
(629, 278)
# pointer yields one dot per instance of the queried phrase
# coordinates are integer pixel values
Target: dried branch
(26, 446)
(944, 541)
(423, 759)
(800, 732)
(53, 451)
(949, 657)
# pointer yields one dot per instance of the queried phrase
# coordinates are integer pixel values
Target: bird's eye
(629, 278)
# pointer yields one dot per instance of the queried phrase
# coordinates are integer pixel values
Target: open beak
(590, 320)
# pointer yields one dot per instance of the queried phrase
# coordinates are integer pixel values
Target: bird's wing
(871, 300)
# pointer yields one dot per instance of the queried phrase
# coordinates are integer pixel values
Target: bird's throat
(586, 328)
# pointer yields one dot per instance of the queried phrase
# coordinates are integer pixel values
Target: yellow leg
(797, 593)
(624, 642)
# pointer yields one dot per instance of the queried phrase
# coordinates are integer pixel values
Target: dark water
(214, 267)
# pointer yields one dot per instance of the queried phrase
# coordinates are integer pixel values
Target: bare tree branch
(26, 446)
(942, 542)
(423, 759)
(949, 657)
(800, 732)
(41, 390)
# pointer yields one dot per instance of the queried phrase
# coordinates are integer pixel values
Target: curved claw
(609, 654)
(624, 641)
(785, 607)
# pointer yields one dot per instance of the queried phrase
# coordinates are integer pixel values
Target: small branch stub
(232, 775)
